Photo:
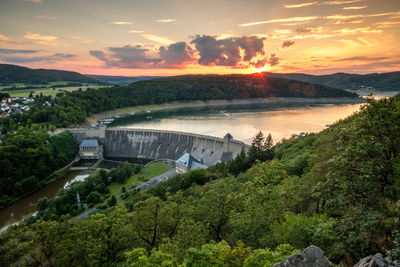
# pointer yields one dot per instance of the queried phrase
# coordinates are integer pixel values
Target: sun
(258, 70)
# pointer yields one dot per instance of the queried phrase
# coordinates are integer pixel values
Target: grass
(144, 175)
(91, 120)
(48, 90)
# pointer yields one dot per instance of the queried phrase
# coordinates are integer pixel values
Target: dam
(157, 144)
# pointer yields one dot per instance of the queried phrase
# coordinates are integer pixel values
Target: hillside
(202, 87)
(337, 190)
(378, 81)
(120, 79)
(17, 74)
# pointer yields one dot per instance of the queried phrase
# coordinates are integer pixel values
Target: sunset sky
(170, 37)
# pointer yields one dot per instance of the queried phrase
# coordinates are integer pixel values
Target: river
(242, 122)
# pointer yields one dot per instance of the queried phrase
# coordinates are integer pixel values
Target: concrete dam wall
(155, 144)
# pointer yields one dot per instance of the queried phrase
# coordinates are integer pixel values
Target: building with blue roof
(90, 149)
(187, 163)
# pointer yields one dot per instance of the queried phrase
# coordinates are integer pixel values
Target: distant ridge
(18, 74)
(121, 79)
(389, 81)
(230, 86)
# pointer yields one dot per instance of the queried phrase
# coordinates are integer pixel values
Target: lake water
(245, 123)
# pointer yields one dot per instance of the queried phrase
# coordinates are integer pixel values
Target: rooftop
(186, 160)
(89, 143)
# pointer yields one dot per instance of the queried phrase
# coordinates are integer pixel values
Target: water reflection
(245, 124)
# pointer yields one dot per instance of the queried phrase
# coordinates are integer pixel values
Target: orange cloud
(349, 21)
(387, 24)
(35, 36)
(166, 20)
(354, 7)
(342, 17)
(136, 31)
(338, 2)
(157, 39)
(121, 23)
(300, 5)
(42, 39)
(359, 30)
(293, 19)
(4, 38)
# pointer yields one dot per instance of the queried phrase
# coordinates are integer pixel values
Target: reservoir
(245, 122)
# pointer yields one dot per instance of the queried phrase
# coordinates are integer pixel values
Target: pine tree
(269, 147)
(256, 149)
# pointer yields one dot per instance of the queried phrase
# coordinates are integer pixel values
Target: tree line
(69, 108)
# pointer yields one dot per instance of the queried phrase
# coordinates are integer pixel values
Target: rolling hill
(121, 79)
(389, 81)
(17, 74)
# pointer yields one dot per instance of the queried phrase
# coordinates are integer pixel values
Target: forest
(389, 81)
(338, 189)
(71, 108)
(17, 74)
(28, 157)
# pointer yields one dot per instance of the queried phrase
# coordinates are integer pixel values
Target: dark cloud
(126, 57)
(51, 58)
(273, 60)
(172, 56)
(226, 52)
(99, 55)
(260, 63)
(252, 46)
(287, 44)
(14, 51)
(176, 54)
(212, 52)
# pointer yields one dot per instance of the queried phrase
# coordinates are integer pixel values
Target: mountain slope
(238, 86)
(17, 74)
(389, 81)
(121, 79)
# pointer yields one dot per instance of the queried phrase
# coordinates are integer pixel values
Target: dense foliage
(17, 74)
(82, 194)
(338, 189)
(73, 107)
(28, 157)
(389, 81)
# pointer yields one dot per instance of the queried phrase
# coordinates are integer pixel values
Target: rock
(312, 256)
(377, 261)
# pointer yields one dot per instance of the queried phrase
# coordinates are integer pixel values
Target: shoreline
(92, 119)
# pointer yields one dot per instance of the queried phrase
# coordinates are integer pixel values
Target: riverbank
(92, 119)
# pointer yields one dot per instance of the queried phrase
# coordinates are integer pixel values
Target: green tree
(112, 201)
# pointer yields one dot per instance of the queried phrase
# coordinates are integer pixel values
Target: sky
(174, 37)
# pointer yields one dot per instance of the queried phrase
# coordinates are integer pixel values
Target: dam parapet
(81, 134)
(159, 144)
